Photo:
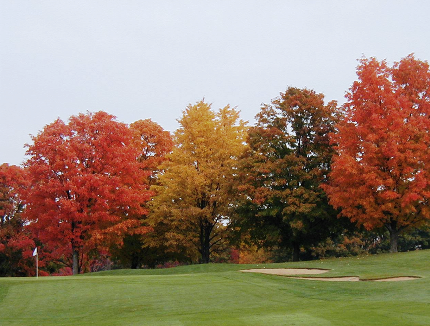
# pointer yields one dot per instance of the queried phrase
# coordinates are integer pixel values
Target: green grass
(218, 294)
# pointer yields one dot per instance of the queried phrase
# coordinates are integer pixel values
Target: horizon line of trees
(310, 179)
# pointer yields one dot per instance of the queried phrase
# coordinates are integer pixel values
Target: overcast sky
(150, 59)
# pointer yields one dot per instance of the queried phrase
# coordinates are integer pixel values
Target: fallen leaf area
(293, 272)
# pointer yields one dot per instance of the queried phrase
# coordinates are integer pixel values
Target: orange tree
(153, 144)
(381, 173)
(288, 159)
(86, 185)
(195, 191)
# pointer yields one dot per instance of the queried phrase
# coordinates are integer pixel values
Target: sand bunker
(397, 279)
(290, 272)
(287, 271)
(331, 279)
(356, 279)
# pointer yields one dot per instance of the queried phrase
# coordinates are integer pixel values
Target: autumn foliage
(308, 179)
(16, 243)
(153, 144)
(288, 159)
(196, 187)
(86, 185)
(381, 174)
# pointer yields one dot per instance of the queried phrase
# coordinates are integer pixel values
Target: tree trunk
(205, 246)
(394, 238)
(75, 251)
(75, 262)
(134, 262)
(205, 250)
(394, 235)
(296, 251)
(205, 255)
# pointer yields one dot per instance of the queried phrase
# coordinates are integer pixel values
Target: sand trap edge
(286, 271)
(290, 272)
(357, 279)
(393, 279)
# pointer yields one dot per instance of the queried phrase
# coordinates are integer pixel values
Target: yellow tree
(195, 187)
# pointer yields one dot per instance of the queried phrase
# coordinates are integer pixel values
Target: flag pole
(36, 253)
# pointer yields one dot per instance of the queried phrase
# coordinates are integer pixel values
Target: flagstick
(36, 253)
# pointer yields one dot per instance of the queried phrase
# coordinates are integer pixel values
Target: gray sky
(150, 59)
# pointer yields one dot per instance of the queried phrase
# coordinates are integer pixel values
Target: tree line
(308, 179)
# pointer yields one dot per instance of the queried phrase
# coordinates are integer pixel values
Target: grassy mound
(218, 294)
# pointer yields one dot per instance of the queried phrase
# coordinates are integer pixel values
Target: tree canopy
(16, 243)
(85, 180)
(195, 188)
(153, 144)
(288, 159)
(381, 174)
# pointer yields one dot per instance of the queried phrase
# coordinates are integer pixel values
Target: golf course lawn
(219, 294)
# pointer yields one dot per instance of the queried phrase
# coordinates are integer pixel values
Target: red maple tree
(86, 184)
(16, 244)
(381, 174)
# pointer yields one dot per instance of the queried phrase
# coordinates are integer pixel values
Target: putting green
(221, 295)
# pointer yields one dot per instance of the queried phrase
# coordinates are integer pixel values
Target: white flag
(35, 252)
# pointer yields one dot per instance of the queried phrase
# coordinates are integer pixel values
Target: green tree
(288, 159)
(194, 195)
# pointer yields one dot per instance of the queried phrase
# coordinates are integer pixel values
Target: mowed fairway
(222, 295)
